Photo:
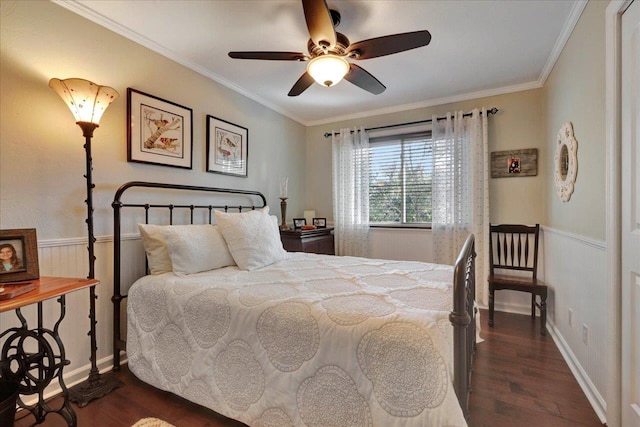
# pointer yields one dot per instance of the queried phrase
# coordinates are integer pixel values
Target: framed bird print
(227, 147)
(158, 131)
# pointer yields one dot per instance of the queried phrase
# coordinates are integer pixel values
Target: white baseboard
(72, 378)
(595, 398)
(597, 401)
(587, 386)
(509, 308)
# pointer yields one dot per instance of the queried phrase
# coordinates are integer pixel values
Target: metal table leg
(33, 358)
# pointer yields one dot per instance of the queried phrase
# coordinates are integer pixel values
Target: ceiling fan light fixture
(328, 70)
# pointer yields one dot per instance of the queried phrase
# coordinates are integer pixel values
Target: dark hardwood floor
(520, 379)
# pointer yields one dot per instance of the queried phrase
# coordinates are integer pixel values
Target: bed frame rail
(119, 344)
(463, 320)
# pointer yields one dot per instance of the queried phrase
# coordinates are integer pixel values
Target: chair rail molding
(598, 244)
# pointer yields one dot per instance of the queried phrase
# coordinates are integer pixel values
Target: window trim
(413, 225)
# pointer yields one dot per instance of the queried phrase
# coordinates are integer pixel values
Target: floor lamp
(88, 101)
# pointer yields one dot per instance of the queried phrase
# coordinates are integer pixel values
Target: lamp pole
(283, 211)
(97, 385)
(88, 101)
(87, 132)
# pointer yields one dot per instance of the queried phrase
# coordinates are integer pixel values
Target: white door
(630, 118)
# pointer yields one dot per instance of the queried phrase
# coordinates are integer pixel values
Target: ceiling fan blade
(301, 85)
(361, 78)
(274, 56)
(386, 45)
(319, 23)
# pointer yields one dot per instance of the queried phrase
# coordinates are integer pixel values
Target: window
(400, 169)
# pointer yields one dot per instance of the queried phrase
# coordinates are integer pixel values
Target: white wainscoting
(575, 270)
(69, 258)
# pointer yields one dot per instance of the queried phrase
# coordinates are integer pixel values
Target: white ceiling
(478, 48)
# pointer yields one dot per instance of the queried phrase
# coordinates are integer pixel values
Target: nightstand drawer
(318, 241)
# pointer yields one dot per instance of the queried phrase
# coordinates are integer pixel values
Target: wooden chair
(513, 264)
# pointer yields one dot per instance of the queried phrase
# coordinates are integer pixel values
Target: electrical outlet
(585, 334)
(570, 317)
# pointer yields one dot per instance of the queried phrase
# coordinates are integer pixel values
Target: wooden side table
(318, 241)
(34, 357)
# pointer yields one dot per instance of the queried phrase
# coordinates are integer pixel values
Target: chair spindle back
(514, 247)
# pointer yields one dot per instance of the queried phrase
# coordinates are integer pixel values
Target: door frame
(613, 70)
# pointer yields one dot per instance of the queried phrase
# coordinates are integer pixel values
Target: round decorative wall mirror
(566, 162)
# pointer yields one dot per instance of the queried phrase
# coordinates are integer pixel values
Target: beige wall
(575, 92)
(41, 154)
(575, 262)
(42, 160)
(517, 126)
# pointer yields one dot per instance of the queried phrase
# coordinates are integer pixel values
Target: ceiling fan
(329, 50)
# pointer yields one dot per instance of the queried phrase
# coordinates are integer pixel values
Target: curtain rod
(494, 110)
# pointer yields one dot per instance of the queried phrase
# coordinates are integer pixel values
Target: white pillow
(252, 237)
(156, 248)
(154, 240)
(195, 248)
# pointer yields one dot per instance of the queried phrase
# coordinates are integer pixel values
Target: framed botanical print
(158, 131)
(227, 147)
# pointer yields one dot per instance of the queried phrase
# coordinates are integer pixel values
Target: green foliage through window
(400, 179)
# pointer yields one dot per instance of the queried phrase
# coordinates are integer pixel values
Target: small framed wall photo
(298, 223)
(320, 222)
(227, 147)
(18, 255)
(514, 163)
(158, 131)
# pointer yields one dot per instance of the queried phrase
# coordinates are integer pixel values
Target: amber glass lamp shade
(86, 100)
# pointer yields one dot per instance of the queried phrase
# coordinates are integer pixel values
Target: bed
(289, 339)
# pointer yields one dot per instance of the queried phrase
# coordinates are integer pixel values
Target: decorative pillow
(252, 237)
(184, 249)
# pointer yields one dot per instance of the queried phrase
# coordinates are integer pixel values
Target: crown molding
(109, 24)
(563, 38)
(86, 12)
(430, 103)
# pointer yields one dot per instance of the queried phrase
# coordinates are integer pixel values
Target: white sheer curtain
(460, 190)
(350, 153)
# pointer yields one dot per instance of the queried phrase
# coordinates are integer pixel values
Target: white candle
(283, 187)
(309, 215)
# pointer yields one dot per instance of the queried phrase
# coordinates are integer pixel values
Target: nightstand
(318, 241)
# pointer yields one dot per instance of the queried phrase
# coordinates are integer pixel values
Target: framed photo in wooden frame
(227, 147)
(298, 223)
(514, 163)
(18, 255)
(158, 131)
(320, 222)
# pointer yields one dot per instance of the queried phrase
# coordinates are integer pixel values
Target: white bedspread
(313, 340)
